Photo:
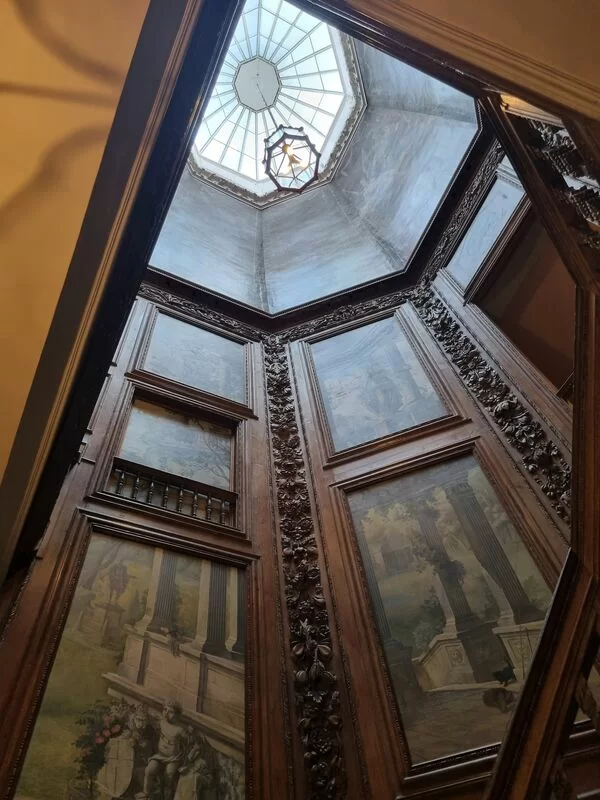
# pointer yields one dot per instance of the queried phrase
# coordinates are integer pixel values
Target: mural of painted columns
(203, 612)
(238, 647)
(488, 550)
(162, 596)
(158, 620)
(217, 612)
(200, 671)
(474, 653)
(398, 655)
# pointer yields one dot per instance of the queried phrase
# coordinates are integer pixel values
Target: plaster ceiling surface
(283, 66)
(364, 221)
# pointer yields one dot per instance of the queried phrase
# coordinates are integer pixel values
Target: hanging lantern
(291, 159)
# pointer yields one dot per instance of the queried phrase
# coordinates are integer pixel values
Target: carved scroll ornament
(317, 699)
(539, 454)
(464, 210)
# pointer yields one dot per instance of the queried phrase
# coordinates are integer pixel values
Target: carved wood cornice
(199, 311)
(340, 316)
(539, 456)
(345, 314)
(433, 40)
(317, 698)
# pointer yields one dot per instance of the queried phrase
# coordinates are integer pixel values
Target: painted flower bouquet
(100, 724)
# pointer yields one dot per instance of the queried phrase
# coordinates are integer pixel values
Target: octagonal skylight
(283, 66)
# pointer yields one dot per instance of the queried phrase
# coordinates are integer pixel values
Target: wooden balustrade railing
(149, 487)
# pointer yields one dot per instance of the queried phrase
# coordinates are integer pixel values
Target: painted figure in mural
(195, 775)
(164, 765)
(143, 738)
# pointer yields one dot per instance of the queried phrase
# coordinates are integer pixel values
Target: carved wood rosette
(317, 698)
(540, 457)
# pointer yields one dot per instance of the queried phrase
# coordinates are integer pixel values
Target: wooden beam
(544, 717)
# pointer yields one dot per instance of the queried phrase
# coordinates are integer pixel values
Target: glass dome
(281, 62)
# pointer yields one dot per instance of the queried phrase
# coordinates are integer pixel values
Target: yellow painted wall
(548, 46)
(62, 67)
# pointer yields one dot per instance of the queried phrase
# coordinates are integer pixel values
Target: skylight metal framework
(298, 64)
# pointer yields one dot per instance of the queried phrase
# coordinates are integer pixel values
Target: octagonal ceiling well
(283, 66)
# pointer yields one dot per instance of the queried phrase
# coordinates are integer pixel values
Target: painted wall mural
(146, 696)
(458, 601)
(197, 357)
(182, 445)
(373, 384)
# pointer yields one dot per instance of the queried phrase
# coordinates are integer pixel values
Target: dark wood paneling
(378, 722)
(31, 637)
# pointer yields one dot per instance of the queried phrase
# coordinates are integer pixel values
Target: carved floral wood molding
(539, 455)
(317, 698)
(199, 311)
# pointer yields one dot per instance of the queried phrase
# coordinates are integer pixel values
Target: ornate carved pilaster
(316, 694)
(568, 175)
(539, 455)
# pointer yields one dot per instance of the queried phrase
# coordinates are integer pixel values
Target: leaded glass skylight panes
(283, 66)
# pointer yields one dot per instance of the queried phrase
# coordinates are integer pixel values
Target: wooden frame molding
(452, 417)
(545, 715)
(465, 212)
(379, 726)
(534, 388)
(440, 44)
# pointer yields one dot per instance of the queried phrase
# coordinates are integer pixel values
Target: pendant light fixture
(291, 160)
